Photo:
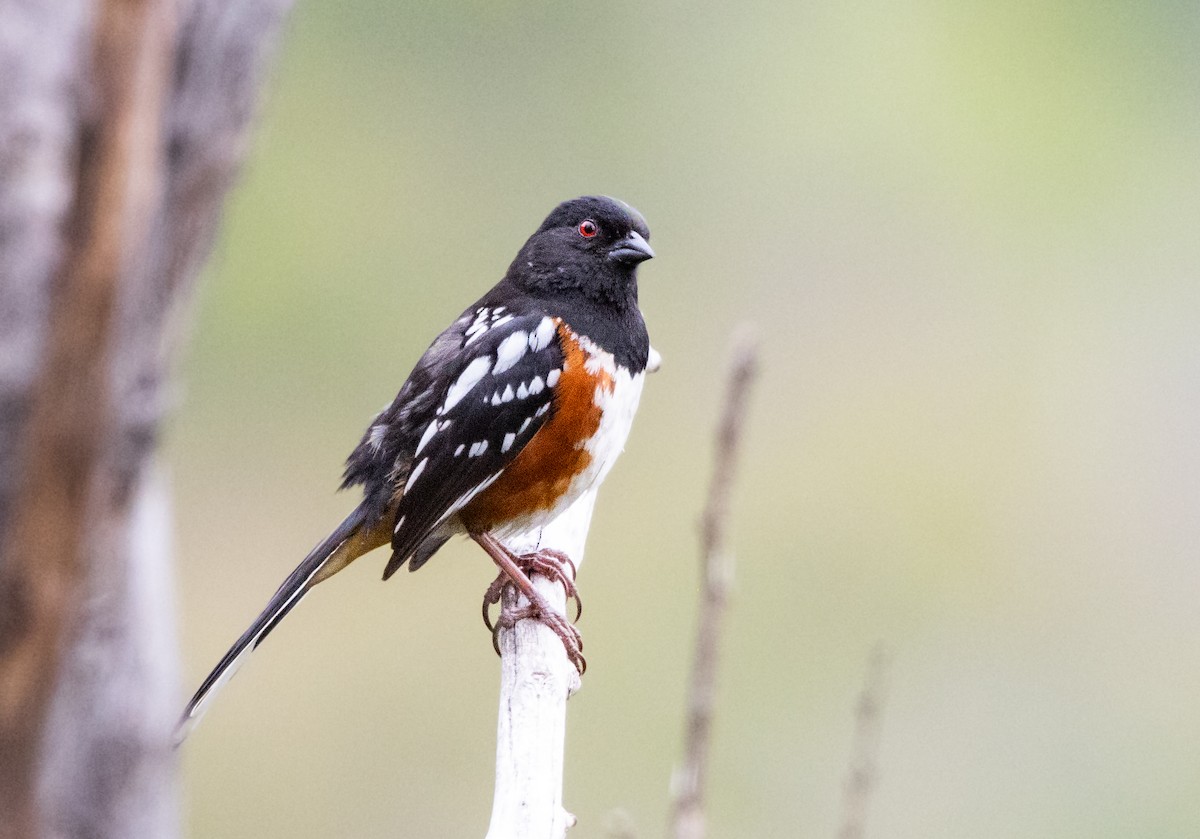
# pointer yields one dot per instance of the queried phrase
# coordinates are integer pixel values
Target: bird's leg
(515, 569)
(549, 563)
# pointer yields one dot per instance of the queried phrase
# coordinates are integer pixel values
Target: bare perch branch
(536, 679)
(688, 783)
(861, 779)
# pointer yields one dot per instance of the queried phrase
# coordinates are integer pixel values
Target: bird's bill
(632, 249)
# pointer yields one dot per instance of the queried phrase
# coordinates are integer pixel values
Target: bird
(519, 407)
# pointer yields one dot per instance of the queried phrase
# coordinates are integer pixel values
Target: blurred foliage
(968, 235)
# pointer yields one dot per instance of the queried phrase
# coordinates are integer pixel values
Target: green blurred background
(969, 234)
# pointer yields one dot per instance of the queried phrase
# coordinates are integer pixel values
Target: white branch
(535, 681)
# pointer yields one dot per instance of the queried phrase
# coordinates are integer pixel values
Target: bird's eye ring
(588, 229)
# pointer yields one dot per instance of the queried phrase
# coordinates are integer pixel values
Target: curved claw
(550, 564)
(571, 639)
(515, 570)
(490, 598)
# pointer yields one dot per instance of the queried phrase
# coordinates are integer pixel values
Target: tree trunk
(122, 124)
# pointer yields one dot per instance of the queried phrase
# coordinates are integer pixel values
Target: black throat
(614, 323)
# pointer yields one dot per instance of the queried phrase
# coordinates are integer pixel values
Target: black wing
(477, 396)
(488, 413)
(382, 458)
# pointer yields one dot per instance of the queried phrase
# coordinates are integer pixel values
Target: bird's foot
(546, 614)
(552, 565)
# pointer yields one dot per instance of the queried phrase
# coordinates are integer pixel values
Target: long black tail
(289, 594)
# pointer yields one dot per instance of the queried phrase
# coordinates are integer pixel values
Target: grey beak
(632, 249)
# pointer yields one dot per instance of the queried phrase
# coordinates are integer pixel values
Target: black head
(588, 247)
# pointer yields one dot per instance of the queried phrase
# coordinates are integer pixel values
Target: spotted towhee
(515, 411)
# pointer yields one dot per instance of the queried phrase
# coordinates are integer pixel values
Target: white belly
(617, 408)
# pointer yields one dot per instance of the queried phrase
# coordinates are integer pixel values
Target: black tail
(289, 594)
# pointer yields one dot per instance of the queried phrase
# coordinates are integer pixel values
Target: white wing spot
(477, 448)
(427, 436)
(536, 386)
(501, 321)
(542, 410)
(510, 351)
(522, 391)
(542, 336)
(496, 312)
(472, 334)
(552, 377)
(508, 394)
(467, 380)
(524, 425)
(416, 473)
(496, 398)
(459, 450)
(509, 439)
(399, 524)
(478, 326)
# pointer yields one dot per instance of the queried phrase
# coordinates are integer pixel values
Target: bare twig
(688, 783)
(861, 780)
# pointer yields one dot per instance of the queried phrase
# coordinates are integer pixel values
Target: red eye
(588, 229)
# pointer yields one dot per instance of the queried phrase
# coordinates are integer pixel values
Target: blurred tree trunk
(122, 125)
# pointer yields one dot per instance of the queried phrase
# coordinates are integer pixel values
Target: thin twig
(688, 783)
(860, 782)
